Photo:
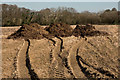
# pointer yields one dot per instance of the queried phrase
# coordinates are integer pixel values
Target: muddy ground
(70, 57)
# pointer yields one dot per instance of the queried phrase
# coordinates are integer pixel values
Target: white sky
(91, 7)
(79, 6)
(59, 0)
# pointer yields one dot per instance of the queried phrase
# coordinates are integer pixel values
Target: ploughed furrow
(21, 64)
(33, 75)
(72, 62)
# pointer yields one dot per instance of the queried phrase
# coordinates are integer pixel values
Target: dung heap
(61, 30)
(32, 31)
(87, 30)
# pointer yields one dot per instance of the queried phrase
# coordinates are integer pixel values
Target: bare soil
(32, 31)
(60, 29)
(69, 57)
(10, 50)
(87, 30)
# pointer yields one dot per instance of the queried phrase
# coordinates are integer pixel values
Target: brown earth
(60, 29)
(10, 50)
(70, 57)
(87, 30)
(5, 31)
(32, 31)
(35, 31)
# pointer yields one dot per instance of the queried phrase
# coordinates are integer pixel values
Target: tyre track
(72, 62)
(52, 48)
(81, 61)
(15, 66)
(56, 63)
(32, 74)
(76, 64)
(51, 56)
(61, 43)
(24, 66)
(15, 73)
(96, 49)
(21, 62)
(83, 69)
(100, 70)
(54, 42)
(64, 60)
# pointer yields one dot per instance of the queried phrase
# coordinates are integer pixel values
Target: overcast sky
(59, 0)
(79, 5)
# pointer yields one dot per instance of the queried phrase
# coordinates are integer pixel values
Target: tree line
(13, 15)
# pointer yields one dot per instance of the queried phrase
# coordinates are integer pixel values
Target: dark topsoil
(87, 30)
(35, 31)
(32, 31)
(60, 29)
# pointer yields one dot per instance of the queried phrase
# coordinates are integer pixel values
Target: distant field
(8, 30)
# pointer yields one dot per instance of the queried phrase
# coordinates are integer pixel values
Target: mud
(87, 30)
(64, 57)
(32, 74)
(60, 29)
(35, 31)
(32, 31)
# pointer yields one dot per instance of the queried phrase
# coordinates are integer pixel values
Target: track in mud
(15, 64)
(56, 61)
(76, 70)
(65, 61)
(57, 58)
(33, 75)
(74, 63)
(83, 65)
(87, 73)
(23, 63)
(61, 45)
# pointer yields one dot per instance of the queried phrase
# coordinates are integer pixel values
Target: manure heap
(32, 31)
(60, 29)
(87, 30)
(35, 31)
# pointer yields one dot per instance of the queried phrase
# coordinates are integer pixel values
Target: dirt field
(70, 57)
(8, 30)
